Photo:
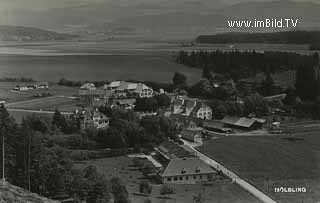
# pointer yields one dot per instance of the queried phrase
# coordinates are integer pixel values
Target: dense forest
(288, 37)
(315, 46)
(237, 64)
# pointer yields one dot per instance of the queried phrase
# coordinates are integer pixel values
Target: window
(181, 178)
(187, 178)
(169, 179)
(175, 178)
(194, 177)
(200, 176)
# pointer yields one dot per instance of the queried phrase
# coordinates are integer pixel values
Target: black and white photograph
(159, 101)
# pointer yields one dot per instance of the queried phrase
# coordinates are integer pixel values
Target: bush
(166, 190)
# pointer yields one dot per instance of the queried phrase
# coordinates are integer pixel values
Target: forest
(243, 64)
(288, 37)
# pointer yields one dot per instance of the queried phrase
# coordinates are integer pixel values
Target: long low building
(242, 123)
(187, 171)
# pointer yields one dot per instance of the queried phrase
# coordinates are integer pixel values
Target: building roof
(240, 122)
(114, 84)
(187, 166)
(200, 105)
(229, 120)
(190, 103)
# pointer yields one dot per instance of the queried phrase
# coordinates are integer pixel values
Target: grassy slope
(11, 193)
(221, 192)
(270, 162)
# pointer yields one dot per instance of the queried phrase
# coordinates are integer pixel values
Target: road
(234, 177)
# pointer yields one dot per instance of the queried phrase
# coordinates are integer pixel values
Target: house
(194, 108)
(203, 111)
(187, 171)
(92, 119)
(242, 123)
(192, 135)
(216, 126)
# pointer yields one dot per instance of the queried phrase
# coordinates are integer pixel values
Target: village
(180, 159)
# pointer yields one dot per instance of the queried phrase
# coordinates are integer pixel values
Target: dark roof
(173, 150)
(229, 120)
(187, 166)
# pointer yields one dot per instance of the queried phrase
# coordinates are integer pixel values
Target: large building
(92, 119)
(129, 89)
(187, 171)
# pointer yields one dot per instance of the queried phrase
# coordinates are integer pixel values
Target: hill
(11, 193)
(288, 37)
(19, 33)
(274, 9)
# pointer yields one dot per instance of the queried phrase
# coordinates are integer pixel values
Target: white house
(123, 88)
(187, 171)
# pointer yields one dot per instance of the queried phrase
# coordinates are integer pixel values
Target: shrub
(166, 190)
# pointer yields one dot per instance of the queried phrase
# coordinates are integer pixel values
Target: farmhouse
(92, 119)
(192, 135)
(187, 171)
(194, 108)
(125, 89)
(128, 104)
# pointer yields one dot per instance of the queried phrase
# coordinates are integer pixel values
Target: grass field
(46, 104)
(269, 162)
(7, 94)
(18, 116)
(220, 192)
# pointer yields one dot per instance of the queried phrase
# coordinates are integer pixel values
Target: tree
(145, 187)
(206, 73)
(119, 191)
(179, 80)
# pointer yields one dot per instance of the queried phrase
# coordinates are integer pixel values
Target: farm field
(220, 192)
(7, 94)
(46, 104)
(269, 162)
(18, 116)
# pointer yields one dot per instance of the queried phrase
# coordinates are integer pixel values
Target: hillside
(11, 193)
(19, 33)
(289, 37)
(274, 9)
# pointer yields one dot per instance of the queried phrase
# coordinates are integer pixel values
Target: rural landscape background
(99, 99)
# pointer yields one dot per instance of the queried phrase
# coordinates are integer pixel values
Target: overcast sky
(45, 4)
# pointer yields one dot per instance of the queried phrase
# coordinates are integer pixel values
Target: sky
(47, 4)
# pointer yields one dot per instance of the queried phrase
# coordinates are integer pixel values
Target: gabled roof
(126, 101)
(278, 97)
(114, 84)
(200, 105)
(245, 122)
(241, 122)
(187, 166)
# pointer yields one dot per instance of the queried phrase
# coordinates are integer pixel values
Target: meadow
(269, 162)
(221, 192)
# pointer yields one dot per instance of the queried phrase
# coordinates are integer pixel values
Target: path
(235, 178)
